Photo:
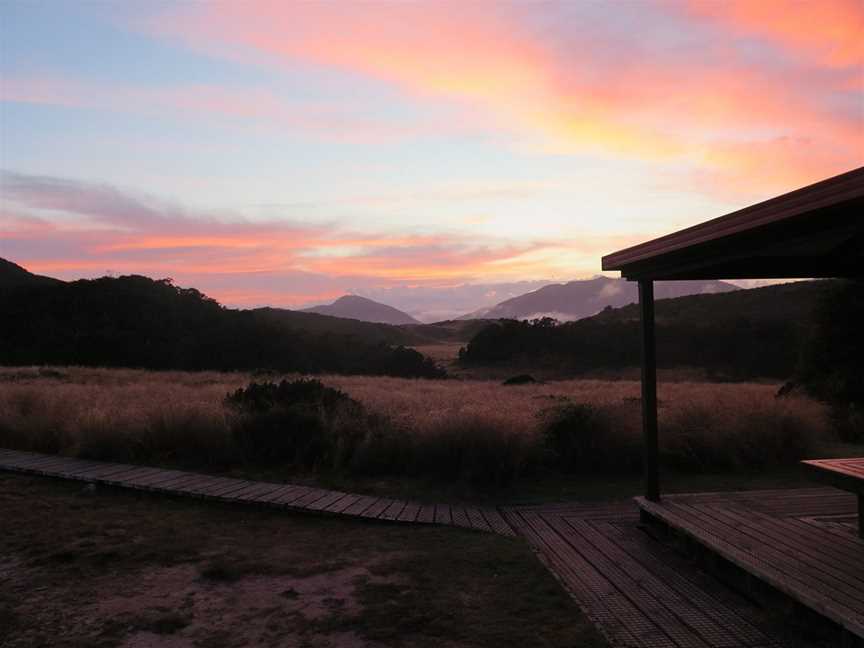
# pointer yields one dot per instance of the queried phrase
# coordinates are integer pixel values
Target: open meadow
(480, 434)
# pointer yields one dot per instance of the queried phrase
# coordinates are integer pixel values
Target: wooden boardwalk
(640, 593)
(802, 543)
(227, 489)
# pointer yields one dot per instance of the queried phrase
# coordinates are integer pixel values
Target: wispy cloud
(567, 80)
(239, 260)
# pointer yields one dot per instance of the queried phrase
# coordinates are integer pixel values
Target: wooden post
(649, 392)
(861, 516)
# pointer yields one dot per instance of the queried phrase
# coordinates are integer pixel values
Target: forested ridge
(134, 321)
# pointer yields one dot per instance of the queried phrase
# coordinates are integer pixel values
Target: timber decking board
(475, 517)
(342, 504)
(442, 514)
(360, 505)
(426, 515)
(328, 500)
(650, 596)
(801, 575)
(409, 513)
(600, 599)
(377, 507)
(392, 512)
(800, 568)
(722, 605)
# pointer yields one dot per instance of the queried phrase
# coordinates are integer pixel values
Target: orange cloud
(830, 33)
(587, 95)
(233, 260)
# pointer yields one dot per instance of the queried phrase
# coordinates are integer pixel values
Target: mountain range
(563, 301)
(586, 297)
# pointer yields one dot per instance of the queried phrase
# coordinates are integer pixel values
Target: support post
(650, 452)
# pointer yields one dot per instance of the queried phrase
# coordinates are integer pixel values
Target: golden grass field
(65, 409)
(81, 397)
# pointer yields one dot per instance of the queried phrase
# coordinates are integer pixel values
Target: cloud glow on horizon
(283, 153)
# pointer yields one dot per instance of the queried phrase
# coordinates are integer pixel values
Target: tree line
(134, 321)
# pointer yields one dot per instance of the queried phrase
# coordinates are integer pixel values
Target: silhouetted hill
(737, 335)
(134, 321)
(14, 277)
(317, 323)
(361, 308)
(583, 298)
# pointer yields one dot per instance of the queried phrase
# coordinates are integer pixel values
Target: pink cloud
(565, 89)
(243, 106)
(829, 33)
(239, 261)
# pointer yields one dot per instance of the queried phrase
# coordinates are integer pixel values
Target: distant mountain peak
(585, 297)
(364, 309)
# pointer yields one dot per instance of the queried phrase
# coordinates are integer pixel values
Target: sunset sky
(284, 153)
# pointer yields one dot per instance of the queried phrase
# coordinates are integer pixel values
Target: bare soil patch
(112, 568)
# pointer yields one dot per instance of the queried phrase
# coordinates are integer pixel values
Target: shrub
(480, 451)
(707, 436)
(476, 450)
(300, 422)
(586, 437)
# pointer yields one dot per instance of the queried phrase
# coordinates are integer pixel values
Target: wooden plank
(340, 505)
(791, 560)
(40, 465)
(332, 497)
(603, 603)
(111, 471)
(284, 491)
(229, 485)
(460, 517)
(178, 485)
(204, 486)
(312, 496)
(131, 477)
(845, 562)
(727, 609)
(478, 522)
(651, 597)
(256, 493)
(392, 512)
(409, 513)
(497, 522)
(443, 514)
(426, 515)
(359, 507)
(793, 586)
(288, 496)
(29, 460)
(848, 476)
(377, 507)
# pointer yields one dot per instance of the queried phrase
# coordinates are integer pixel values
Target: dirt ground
(102, 567)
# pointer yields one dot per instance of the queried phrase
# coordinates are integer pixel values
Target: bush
(300, 423)
(476, 450)
(585, 437)
(705, 437)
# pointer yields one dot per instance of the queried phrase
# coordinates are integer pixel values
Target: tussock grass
(475, 431)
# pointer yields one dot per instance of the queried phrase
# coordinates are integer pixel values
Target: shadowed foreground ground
(110, 568)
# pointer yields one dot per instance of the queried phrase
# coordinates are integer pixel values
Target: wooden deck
(227, 489)
(802, 543)
(639, 592)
